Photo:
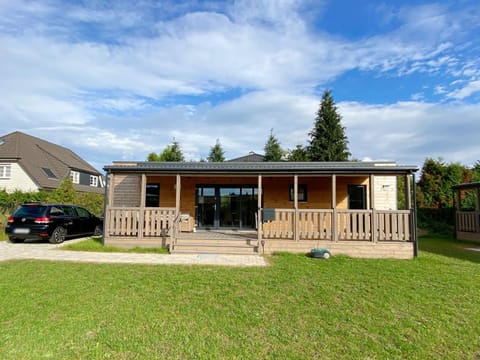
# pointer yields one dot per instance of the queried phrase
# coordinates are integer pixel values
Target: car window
(56, 211)
(30, 210)
(82, 212)
(69, 211)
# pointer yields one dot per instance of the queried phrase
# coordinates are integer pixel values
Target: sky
(117, 80)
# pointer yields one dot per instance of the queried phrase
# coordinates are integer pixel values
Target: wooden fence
(320, 224)
(468, 221)
(137, 222)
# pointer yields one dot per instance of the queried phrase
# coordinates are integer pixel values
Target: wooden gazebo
(467, 216)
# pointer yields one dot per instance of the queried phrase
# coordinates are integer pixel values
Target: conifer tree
(328, 141)
(273, 150)
(216, 153)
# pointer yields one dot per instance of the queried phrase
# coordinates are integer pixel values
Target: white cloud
(471, 88)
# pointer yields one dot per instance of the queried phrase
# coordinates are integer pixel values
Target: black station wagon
(55, 222)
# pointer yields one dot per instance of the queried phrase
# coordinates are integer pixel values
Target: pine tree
(297, 154)
(328, 141)
(273, 151)
(172, 152)
(216, 153)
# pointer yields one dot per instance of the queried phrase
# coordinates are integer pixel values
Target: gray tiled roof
(472, 185)
(260, 167)
(33, 154)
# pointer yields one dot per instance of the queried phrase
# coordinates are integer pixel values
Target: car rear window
(30, 210)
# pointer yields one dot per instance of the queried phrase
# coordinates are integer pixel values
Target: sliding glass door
(226, 206)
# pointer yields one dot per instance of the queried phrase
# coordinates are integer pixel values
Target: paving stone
(47, 251)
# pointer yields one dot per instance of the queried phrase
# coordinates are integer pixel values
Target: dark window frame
(302, 193)
(152, 199)
(362, 202)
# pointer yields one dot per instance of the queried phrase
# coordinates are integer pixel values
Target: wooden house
(262, 207)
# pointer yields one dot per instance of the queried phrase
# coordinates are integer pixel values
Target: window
(5, 171)
(75, 176)
(302, 192)
(93, 180)
(152, 195)
(49, 173)
(357, 197)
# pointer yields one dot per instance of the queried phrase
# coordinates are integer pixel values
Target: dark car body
(55, 222)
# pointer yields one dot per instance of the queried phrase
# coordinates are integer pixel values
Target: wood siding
(126, 190)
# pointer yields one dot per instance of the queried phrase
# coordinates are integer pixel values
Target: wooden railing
(350, 225)
(147, 222)
(468, 221)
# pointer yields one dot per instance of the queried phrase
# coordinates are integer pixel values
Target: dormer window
(75, 176)
(93, 180)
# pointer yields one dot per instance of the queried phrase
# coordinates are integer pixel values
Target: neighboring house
(30, 164)
(347, 207)
(251, 157)
(467, 220)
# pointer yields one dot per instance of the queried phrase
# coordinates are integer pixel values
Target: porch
(350, 207)
(365, 233)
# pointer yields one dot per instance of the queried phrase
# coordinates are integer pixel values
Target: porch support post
(334, 207)
(477, 209)
(259, 214)
(106, 206)
(178, 188)
(372, 207)
(408, 192)
(141, 219)
(414, 217)
(457, 206)
(295, 205)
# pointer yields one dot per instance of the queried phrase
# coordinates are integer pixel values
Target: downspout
(105, 207)
(414, 228)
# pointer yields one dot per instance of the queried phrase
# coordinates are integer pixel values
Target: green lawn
(297, 308)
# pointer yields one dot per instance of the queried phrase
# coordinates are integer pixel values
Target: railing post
(374, 226)
(260, 242)
(295, 205)
(141, 215)
(334, 226)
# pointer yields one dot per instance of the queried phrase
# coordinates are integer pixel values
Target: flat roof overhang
(261, 168)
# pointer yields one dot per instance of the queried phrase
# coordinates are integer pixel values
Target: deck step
(216, 245)
(182, 251)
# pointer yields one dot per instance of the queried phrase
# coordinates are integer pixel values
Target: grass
(297, 308)
(95, 244)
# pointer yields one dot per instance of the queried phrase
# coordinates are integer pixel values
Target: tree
(172, 152)
(273, 151)
(434, 188)
(328, 141)
(216, 153)
(297, 154)
(65, 193)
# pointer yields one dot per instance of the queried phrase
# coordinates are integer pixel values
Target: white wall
(19, 180)
(385, 196)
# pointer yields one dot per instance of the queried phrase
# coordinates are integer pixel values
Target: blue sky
(118, 80)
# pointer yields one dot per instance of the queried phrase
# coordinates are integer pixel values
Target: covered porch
(351, 211)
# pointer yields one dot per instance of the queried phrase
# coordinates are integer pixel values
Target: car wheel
(58, 235)
(98, 231)
(15, 241)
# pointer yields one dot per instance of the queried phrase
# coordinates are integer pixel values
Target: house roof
(251, 157)
(46, 163)
(263, 167)
(473, 185)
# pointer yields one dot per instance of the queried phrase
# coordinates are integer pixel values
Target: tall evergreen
(216, 153)
(273, 150)
(171, 152)
(328, 141)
